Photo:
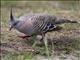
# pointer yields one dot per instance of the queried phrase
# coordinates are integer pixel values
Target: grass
(26, 56)
(66, 41)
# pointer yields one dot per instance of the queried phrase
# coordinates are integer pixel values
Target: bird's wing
(43, 23)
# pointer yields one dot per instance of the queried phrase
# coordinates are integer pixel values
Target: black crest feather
(11, 15)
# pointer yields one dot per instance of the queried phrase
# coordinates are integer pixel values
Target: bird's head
(13, 21)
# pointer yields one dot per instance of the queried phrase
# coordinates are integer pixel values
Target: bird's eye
(15, 23)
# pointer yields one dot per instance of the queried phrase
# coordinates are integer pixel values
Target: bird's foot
(24, 37)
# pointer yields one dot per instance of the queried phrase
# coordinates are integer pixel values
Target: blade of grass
(46, 47)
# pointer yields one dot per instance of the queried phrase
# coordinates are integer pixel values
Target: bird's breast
(26, 27)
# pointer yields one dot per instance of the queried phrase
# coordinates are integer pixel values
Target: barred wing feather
(43, 23)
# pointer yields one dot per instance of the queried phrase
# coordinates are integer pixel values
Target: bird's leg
(23, 36)
(43, 35)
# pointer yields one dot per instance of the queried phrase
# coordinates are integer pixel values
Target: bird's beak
(10, 28)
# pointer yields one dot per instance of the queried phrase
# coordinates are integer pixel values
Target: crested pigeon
(32, 24)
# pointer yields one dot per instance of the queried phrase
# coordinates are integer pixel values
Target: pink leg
(24, 37)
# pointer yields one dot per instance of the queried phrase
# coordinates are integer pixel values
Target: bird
(35, 24)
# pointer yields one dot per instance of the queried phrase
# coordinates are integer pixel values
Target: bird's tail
(61, 21)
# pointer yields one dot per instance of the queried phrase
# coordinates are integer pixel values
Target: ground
(63, 44)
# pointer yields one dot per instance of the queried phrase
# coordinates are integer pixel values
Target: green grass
(67, 40)
(26, 56)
